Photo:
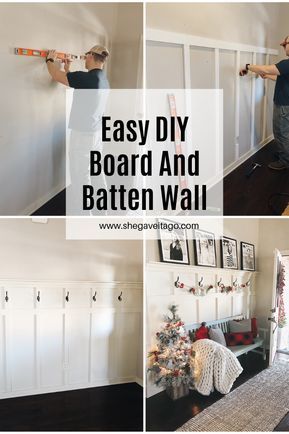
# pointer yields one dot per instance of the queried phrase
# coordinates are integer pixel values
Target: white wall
(40, 251)
(260, 24)
(32, 108)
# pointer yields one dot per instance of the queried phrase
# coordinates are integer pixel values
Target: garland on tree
(282, 320)
(170, 359)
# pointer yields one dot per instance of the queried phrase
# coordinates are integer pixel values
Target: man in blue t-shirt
(280, 74)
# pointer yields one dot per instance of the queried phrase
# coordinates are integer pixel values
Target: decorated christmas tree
(170, 359)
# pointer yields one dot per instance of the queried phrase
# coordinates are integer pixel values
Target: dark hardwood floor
(250, 196)
(163, 414)
(55, 206)
(242, 195)
(109, 408)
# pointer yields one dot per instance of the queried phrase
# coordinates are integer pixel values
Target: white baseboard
(42, 201)
(245, 157)
(65, 388)
(139, 381)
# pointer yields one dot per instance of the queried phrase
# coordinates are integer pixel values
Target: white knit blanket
(214, 366)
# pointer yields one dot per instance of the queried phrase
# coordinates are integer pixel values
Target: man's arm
(261, 69)
(270, 77)
(54, 71)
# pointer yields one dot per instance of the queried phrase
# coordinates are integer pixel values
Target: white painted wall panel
(50, 298)
(238, 304)
(103, 345)
(207, 308)
(202, 59)
(78, 297)
(188, 308)
(225, 305)
(77, 326)
(245, 107)
(50, 333)
(21, 348)
(128, 328)
(164, 66)
(20, 298)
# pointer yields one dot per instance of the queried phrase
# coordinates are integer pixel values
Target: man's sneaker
(277, 165)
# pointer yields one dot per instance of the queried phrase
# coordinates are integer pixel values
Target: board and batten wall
(60, 317)
(161, 291)
(204, 46)
(32, 108)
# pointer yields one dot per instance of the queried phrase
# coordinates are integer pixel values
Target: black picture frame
(205, 248)
(247, 252)
(229, 253)
(173, 243)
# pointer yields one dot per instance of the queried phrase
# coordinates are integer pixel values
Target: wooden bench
(238, 350)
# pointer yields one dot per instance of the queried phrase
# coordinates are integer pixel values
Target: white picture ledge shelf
(187, 269)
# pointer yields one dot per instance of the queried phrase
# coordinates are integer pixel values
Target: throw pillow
(240, 326)
(217, 335)
(202, 333)
(254, 327)
(233, 339)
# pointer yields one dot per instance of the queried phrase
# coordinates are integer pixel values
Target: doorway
(283, 329)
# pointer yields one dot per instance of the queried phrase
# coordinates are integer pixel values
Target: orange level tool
(43, 53)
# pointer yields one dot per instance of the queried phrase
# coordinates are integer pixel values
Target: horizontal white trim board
(74, 283)
(156, 35)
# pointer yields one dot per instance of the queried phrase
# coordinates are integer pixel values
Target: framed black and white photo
(229, 255)
(247, 256)
(205, 248)
(173, 243)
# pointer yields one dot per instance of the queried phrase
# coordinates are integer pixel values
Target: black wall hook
(38, 296)
(67, 297)
(94, 296)
(177, 282)
(201, 282)
(6, 296)
(120, 297)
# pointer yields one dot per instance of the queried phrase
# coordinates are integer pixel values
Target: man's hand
(67, 64)
(53, 69)
(52, 55)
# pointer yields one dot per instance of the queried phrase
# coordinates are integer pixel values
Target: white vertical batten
(237, 104)
(253, 90)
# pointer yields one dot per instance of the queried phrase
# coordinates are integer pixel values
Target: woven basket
(177, 392)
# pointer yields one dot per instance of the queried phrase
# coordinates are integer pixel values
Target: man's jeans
(281, 132)
(79, 163)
